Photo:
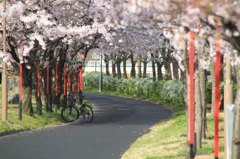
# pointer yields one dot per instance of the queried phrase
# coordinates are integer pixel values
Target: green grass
(27, 123)
(166, 139)
(13, 123)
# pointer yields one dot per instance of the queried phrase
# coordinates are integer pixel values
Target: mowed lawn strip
(167, 140)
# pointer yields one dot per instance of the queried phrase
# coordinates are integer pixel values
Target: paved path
(117, 123)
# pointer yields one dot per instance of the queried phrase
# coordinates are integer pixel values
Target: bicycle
(71, 112)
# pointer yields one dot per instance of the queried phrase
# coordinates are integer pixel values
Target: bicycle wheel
(69, 114)
(87, 113)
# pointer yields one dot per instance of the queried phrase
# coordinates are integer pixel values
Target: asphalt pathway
(117, 123)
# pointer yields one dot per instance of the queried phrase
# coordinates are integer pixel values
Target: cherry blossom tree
(46, 25)
(125, 28)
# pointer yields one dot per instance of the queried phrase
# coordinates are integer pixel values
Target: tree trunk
(62, 99)
(198, 110)
(167, 64)
(125, 68)
(139, 67)
(133, 70)
(159, 71)
(236, 131)
(186, 91)
(153, 67)
(48, 76)
(107, 68)
(56, 96)
(175, 69)
(234, 74)
(153, 71)
(119, 73)
(106, 60)
(56, 102)
(182, 75)
(48, 103)
(221, 70)
(186, 97)
(38, 105)
(48, 95)
(186, 81)
(114, 74)
(168, 71)
(203, 81)
(159, 65)
(38, 102)
(213, 88)
(145, 69)
(166, 57)
(27, 99)
(27, 91)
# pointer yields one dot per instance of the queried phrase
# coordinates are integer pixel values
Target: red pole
(38, 79)
(217, 100)
(80, 85)
(69, 83)
(79, 81)
(65, 80)
(56, 78)
(20, 81)
(56, 54)
(191, 91)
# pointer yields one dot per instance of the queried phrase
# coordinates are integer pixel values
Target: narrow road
(117, 123)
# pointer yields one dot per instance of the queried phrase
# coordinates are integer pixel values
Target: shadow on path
(118, 110)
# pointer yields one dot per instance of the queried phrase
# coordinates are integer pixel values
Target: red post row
(217, 100)
(191, 91)
(217, 97)
(80, 80)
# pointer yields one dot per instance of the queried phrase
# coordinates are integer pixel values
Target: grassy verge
(27, 123)
(13, 123)
(167, 139)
